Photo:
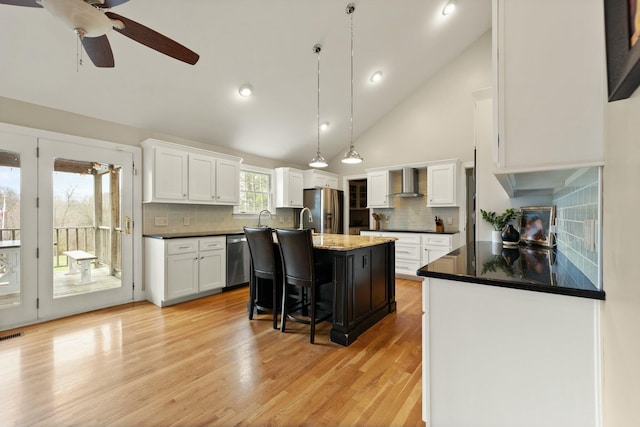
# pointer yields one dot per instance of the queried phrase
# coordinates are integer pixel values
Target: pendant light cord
(318, 48)
(351, 15)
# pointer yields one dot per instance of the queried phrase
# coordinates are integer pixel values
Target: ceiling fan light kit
(92, 23)
(351, 156)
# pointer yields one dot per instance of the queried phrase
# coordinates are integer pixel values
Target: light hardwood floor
(204, 363)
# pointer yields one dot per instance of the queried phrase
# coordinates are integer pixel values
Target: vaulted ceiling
(265, 43)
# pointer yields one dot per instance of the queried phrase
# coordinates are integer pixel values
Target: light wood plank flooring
(204, 363)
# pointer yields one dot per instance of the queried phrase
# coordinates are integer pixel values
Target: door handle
(127, 225)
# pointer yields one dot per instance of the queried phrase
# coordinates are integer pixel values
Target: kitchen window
(255, 190)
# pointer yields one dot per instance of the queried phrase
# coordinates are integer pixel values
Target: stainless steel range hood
(409, 183)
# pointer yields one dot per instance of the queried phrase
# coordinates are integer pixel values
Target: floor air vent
(8, 337)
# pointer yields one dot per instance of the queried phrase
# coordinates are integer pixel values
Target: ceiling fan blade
(108, 4)
(25, 3)
(154, 40)
(99, 51)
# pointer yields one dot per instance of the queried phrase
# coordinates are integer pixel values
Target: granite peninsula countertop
(524, 267)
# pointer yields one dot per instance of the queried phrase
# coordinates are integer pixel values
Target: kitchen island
(363, 281)
(362, 268)
(512, 336)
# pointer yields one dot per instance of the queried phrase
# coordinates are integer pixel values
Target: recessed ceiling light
(376, 77)
(448, 8)
(245, 90)
(324, 126)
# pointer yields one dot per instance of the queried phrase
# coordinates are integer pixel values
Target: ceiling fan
(92, 21)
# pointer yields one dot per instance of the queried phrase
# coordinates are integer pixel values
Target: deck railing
(78, 238)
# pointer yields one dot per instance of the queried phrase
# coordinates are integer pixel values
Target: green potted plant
(498, 222)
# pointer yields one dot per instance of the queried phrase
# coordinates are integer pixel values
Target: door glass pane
(86, 227)
(10, 290)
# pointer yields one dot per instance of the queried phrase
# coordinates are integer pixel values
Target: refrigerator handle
(336, 203)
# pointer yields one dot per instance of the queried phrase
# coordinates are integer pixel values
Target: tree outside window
(255, 191)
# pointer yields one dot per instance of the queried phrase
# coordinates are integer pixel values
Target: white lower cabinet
(436, 246)
(181, 276)
(178, 270)
(413, 250)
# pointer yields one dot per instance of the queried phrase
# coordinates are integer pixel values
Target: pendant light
(318, 161)
(352, 155)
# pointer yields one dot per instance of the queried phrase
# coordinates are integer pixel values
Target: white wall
(434, 123)
(36, 116)
(621, 312)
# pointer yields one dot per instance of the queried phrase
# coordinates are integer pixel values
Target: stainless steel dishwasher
(238, 260)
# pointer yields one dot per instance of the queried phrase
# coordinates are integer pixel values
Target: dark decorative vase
(510, 236)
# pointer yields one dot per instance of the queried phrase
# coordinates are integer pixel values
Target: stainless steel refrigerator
(326, 206)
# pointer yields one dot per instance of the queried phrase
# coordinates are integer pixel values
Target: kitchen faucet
(260, 215)
(301, 213)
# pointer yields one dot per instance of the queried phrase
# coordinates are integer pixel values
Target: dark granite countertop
(524, 267)
(416, 231)
(193, 234)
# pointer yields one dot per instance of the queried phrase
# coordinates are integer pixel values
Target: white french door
(84, 228)
(66, 216)
(18, 230)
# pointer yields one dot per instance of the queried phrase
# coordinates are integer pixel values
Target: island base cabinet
(501, 357)
(364, 290)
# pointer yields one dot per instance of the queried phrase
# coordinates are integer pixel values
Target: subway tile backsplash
(578, 222)
(412, 213)
(204, 218)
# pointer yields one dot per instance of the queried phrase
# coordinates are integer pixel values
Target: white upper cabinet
(314, 178)
(202, 178)
(227, 182)
(441, 185)
(378, 189)
(165, 175)
(180, 174)
(213, 180)
(550, 86)
(289, 188)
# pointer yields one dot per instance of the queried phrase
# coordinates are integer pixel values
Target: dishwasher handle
(236, 239)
